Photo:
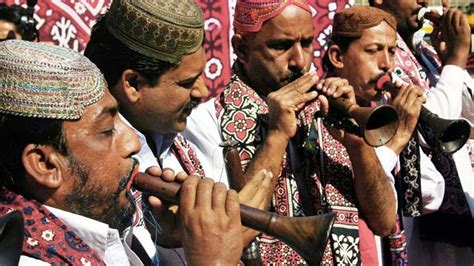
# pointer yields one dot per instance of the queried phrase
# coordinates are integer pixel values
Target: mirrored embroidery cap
(46, 81)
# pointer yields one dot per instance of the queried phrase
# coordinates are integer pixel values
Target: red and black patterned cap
(251, 14)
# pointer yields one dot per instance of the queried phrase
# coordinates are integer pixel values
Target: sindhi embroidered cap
(251, 14)
(351, 22)
(161, 29)
(45, 81)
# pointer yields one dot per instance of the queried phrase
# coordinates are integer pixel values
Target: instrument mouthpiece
(382, 82)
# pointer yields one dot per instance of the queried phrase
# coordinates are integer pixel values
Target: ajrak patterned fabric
(251, 14)
(46, 81)
(408, 183)
(187, 156)
(397, 244)
(45, 237)
(407, 66)
(242, 115)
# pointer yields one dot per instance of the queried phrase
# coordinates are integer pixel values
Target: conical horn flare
(378, 125)
(443, 135)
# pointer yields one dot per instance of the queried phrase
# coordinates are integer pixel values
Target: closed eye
(110, 132)
(282, 45)
(188, 83)
(371, 50)
(392, 51)
(305, 43)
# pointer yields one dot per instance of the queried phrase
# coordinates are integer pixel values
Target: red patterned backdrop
(68, 23)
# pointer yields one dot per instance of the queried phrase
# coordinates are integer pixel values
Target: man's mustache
(295, 75)
(374, 80)
(191, 105)
(124, 181)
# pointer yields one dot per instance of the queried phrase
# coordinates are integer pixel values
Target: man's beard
(87, 196)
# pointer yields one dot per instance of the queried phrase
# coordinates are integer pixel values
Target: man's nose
(200, 89)
(297, 60)
(129, 141)
(385, 61)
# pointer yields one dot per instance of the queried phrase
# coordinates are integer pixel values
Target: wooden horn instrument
(237, 181)
(306, 235)
(443, 135)
(377, 125)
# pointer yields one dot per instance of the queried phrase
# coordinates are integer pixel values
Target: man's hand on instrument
(211, 218)
(286, 102)
(257, 192)
(337, 88)
(168, 175)
(452, 38)
(164, 212)
(408, 104)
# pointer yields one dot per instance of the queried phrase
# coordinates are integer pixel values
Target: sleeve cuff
(387, 157)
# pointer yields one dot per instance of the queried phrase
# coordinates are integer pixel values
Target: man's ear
(129, 85)
(240, 47)
(45, 165)
(335, 56)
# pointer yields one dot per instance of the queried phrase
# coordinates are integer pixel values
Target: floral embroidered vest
(325, 174)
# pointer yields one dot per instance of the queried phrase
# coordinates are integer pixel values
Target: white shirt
(432, 182)
(447, 100)
(203, 134)
(450, 99)
(104, 240)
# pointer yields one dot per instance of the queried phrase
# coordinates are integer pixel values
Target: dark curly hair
(24, 24)
(113, 57)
